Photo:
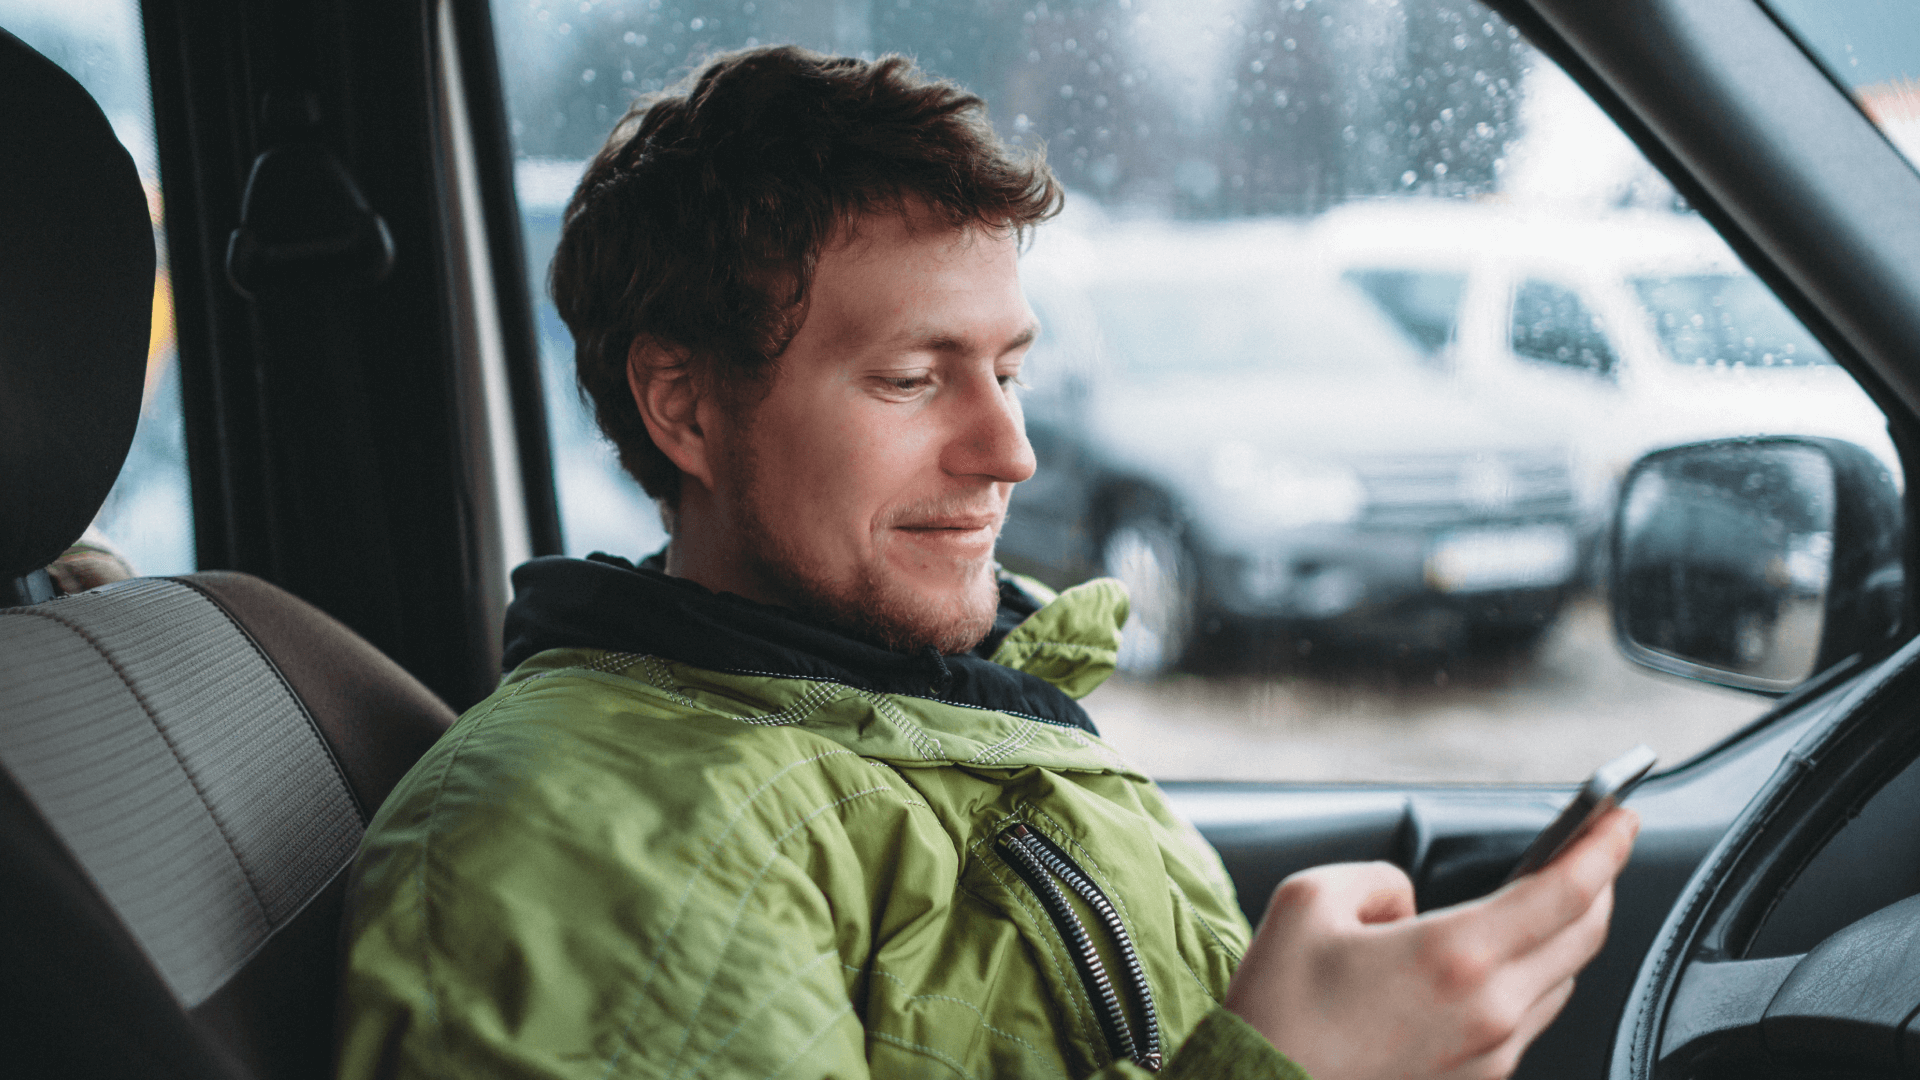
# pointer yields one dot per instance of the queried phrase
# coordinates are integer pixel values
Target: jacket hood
(1043, 654)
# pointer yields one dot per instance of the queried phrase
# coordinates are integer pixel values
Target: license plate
(1519, 557)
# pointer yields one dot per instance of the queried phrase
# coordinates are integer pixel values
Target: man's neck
(704, 550)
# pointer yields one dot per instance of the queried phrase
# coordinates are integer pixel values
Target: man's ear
(669, 399)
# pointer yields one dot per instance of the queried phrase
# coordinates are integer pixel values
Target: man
(811, 796)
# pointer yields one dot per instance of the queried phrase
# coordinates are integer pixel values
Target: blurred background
(1358, 313)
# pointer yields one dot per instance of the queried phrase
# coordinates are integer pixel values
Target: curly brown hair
(698, 226)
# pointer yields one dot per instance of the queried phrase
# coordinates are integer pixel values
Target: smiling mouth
(951, 525)
(968, 537)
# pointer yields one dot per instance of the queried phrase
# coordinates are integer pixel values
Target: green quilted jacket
(624, 865)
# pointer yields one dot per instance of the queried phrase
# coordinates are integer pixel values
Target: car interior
(187, 762)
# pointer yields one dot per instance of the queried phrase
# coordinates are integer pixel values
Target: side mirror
(1755, 563)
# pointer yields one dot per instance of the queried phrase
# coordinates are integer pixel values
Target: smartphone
(1604, 790)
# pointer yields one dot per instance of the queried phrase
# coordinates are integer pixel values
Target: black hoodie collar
(605, 602)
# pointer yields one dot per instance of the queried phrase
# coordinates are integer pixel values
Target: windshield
(1710, 320)
(1317, 329)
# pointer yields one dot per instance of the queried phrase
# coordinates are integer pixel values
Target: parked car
(1634, 329)
(1242, 438)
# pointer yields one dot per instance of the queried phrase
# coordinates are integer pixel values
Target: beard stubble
(866, 603)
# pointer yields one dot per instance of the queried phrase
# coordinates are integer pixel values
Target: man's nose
(990, 439)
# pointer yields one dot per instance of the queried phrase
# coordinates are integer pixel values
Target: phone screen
(1609, 784)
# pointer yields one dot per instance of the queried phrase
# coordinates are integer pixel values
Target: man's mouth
(964, 536)
(953, 523)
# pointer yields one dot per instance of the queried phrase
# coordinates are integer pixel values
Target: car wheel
(1505, 638)
(1150, 558)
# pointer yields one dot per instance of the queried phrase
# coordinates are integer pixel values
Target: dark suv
(1250, 445)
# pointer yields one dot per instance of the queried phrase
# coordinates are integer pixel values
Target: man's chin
(904, 618)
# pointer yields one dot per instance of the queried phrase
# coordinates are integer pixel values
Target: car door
(383, 446)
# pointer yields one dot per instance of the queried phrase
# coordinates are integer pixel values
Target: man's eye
(1012, 380)
(907, 382)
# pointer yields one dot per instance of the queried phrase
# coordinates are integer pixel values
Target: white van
(1634, 330)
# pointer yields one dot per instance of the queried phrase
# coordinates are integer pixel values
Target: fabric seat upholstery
(186, 764)
(213, 804)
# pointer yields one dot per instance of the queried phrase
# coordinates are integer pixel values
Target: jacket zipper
(1042, 864)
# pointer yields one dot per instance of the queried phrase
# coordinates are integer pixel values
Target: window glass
(1718, 319)
(1175, 324)
(148, 515)
(1872, 48)
(1426, 303)
(1279, 389)
(601, 507)
(1550, 324)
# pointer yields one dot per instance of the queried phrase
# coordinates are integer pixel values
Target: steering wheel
(1699, 1009)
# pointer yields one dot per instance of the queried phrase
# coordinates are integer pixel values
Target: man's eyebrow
(950, 343)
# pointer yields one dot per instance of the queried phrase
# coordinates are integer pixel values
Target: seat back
(206, 751)
(186, 764)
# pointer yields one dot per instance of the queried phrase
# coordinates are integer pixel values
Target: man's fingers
(1500, 1061)
(1572, 948)
(1345, 893)
(1534, 909)
(1561, 957)
(1541, 1015)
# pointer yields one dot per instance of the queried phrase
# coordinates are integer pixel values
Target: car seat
(186, 764)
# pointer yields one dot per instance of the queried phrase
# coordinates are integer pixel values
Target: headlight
(1287, 492)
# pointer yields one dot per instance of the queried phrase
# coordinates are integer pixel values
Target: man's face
(870, 484)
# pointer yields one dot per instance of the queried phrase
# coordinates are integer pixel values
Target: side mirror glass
(1755, 563)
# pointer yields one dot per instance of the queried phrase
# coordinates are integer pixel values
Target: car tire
(1148, 555)
(1513, 632)
(1506, 638)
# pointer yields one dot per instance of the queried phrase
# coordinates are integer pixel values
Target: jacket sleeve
(1223, 1047)
(504, 926)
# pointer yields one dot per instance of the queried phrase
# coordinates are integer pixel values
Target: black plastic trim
(324, 439)
(513, 295)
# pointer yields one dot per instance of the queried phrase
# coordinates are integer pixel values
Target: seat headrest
(76, 306)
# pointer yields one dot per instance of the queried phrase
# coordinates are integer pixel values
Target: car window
(1552, 325)
(1289, 383)
(1721, 319)
(1872, 49)
(148, 515)
(1426, 303)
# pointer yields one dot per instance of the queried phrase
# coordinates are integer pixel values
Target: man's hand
(1347, 981)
